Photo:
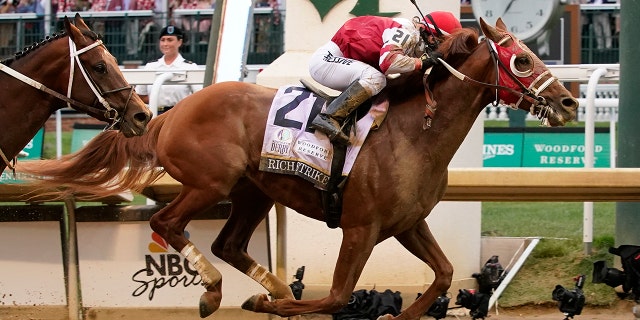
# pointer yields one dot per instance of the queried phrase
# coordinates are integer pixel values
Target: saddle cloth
(289, 147)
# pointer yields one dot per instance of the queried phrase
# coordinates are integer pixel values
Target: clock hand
(508, 6)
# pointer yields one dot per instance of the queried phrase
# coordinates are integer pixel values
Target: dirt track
(621, 311)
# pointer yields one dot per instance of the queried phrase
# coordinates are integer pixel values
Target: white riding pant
(330, 68)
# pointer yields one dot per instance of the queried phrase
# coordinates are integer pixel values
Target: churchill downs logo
(163, 269)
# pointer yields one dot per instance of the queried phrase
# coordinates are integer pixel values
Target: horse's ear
(489, 31)
(73, 32)
(79, 22)
(500, 25)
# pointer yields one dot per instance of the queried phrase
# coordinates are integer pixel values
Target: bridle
(109, 113)
(539, 105)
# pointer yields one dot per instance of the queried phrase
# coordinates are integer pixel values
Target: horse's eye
(523, 62)
(521, 65)
(100, 68)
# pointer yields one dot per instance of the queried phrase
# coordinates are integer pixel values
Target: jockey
(360, 55)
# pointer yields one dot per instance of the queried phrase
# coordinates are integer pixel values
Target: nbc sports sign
(126, 264)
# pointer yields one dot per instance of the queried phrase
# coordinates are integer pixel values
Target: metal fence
(133, 35)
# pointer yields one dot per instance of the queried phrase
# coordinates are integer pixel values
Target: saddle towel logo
(290, 147)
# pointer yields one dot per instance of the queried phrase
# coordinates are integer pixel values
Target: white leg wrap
(209, 274)
(269, 281)
(257, 273)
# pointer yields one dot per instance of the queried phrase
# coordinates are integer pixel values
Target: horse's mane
(459, 45)
(455, 49)
(48, 39)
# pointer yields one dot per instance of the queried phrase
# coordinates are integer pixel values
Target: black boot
(331, 120)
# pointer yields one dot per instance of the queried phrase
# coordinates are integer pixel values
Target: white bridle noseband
(75, 54)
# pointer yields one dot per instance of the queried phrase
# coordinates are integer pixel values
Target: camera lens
(609, 276)
(561, 294)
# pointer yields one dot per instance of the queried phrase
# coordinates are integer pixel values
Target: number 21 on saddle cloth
(289, 147)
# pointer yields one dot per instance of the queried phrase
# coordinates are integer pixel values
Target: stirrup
(327, 125)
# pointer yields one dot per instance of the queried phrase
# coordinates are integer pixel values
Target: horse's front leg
(420, 241)
(356, 247)
(170, 223)
(249, 209)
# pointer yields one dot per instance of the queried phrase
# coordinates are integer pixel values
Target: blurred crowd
(132, 37)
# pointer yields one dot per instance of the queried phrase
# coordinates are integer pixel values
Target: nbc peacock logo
(159, 245)
(163, 269)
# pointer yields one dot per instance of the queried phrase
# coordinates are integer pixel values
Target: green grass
(49, 145)
(559, 256)
(545, 219)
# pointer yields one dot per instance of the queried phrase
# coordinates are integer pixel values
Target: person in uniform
(363, 52)
(171, 38)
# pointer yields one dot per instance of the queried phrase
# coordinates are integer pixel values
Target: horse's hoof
(253, 302)
(209, 303)
(295, 318)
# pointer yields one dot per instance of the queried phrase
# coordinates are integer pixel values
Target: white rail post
(589, 157)
(58, 134)
(154, 95)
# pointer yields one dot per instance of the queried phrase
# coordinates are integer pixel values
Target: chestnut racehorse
(211, 143)
(36, 82)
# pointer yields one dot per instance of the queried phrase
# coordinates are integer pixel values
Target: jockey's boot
(330, 121)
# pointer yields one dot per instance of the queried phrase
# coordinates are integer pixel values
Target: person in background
(69, 5)
(601, 22)
(7, 29)
(26, 6)
(31, 30)
(171, 38)
(363, 52)
(200, 25)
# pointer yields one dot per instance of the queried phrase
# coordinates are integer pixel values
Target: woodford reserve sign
(542, 147)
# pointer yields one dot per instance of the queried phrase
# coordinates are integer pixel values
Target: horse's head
(525, 80)
(98, 83)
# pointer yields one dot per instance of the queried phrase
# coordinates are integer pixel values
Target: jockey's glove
(429, 61)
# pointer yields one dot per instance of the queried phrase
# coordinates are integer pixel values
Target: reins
(74, 54)
(531, 93)
(8, 162)
(109, 112)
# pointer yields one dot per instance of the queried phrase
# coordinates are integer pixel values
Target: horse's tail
(109, 164)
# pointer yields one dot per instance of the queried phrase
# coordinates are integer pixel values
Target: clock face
(526, 19)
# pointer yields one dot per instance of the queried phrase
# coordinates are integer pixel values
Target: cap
(171, 30)
(442, 22)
